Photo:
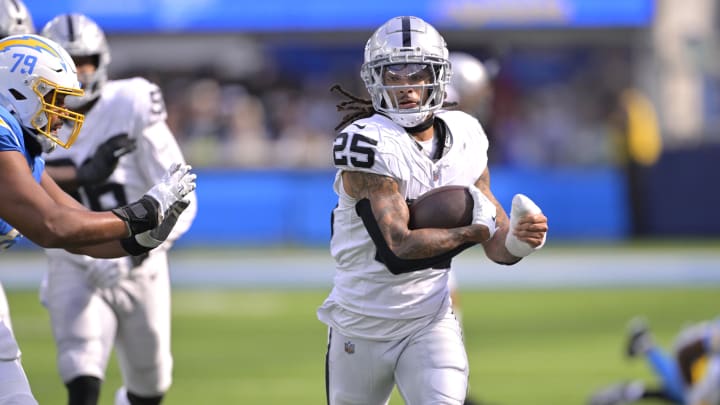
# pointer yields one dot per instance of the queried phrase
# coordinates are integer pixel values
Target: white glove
(9, 239)
(174, 186)
(106, 273)
(521, 206)
(484, 211)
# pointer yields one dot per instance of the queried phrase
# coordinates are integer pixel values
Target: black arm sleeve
(386, 256)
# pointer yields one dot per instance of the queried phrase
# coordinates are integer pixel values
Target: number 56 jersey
(363, 286)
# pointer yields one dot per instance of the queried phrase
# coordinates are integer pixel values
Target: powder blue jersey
(11, 139)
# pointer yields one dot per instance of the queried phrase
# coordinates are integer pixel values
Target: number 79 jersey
(377, 145)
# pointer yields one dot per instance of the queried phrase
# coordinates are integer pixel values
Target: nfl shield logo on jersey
(349, 347)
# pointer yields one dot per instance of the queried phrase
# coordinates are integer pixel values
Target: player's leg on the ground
(641, 343)
(143, 337)
(359, 371)
(626, 393)
(433, 367)
(666, 368)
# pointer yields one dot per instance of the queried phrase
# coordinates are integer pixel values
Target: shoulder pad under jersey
(369, 145)
(144, 98)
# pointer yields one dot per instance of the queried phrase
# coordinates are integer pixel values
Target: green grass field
(549, 347)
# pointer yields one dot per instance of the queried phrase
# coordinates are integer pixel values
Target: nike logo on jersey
(360, 126)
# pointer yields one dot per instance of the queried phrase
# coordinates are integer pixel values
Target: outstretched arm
(109, 249)
(37, 214)
(49, 217)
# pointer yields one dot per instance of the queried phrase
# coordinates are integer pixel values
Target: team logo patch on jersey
(349, 347)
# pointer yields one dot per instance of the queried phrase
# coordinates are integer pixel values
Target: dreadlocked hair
(361, 107)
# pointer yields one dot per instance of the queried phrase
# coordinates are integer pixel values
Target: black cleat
(639, 339)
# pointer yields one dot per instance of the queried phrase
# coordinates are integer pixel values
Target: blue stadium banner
(167, 16)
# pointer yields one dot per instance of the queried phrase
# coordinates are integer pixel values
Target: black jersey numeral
(361, 152)
(157, 104)
(97, 194)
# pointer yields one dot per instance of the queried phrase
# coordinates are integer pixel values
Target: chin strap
(36, 144)
(422, 126)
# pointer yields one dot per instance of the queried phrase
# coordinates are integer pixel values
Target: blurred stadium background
(605, 112)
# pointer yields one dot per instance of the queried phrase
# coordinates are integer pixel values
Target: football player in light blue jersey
(14, 19)
(36, 75)
(688, 376)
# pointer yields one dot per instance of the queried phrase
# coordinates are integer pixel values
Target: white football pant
(134, 316)
(429, 367)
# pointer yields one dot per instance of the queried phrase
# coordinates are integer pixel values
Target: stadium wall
(292, 207)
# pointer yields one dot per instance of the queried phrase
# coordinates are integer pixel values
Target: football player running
(389, 313)
(36, 74)
(14, 19)
(95, 304)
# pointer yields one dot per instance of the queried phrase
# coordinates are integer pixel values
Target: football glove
(106, 273)
(8, 239)
(148, 212)
(101, 165)
(148, 240)
(484, 211)
(521, 206)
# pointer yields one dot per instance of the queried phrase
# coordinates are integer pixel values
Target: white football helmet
(470, 85)
(15, 18)
(408, 45)
(36, 75)
(81, 36)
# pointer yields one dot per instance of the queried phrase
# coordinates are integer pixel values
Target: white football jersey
(364, 287)
(135, 107)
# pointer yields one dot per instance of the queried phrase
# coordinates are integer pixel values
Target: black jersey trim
(386, 256)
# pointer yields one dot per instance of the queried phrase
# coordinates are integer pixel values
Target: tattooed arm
(531, 229)
(391, 213)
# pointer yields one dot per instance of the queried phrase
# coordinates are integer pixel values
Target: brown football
(442, 207)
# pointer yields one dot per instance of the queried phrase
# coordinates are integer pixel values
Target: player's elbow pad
(385, 255)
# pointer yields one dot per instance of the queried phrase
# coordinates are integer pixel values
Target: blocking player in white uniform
(94, 304)
(389, 313)
(36, 75)
(14, 19)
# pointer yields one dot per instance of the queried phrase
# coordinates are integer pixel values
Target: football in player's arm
(388, 314)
